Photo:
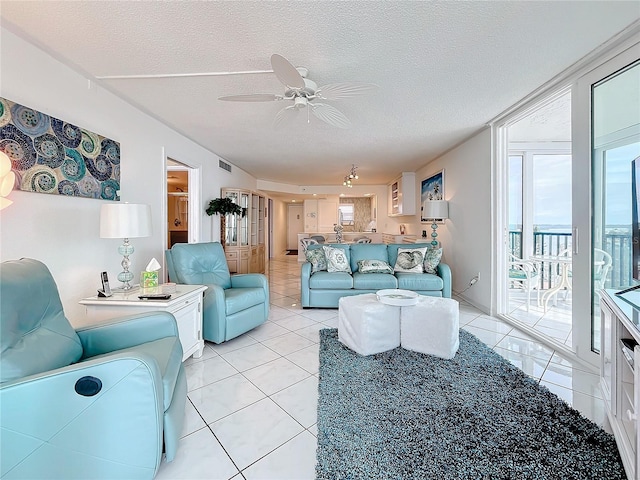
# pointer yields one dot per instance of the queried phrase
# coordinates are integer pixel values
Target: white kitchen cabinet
(402, 195)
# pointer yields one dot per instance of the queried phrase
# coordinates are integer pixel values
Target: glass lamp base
(434, 234)
(125, 276)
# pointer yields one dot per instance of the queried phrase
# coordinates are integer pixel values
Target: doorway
(538, 167)
(182, 199)
(295, 225)
(177, 205)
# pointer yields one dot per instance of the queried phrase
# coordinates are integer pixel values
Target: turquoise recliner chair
(233, 304)
(97, 402)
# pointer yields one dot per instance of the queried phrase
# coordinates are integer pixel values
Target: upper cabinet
(402, 195)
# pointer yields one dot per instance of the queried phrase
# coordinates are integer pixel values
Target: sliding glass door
(606, 139)
(595, 169)
(615, 143)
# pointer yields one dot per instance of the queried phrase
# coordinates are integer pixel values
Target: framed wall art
(49, 155)
(432, 188)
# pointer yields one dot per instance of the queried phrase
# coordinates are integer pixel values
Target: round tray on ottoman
(397, 297)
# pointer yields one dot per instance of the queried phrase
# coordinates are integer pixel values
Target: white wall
(63, 232)
(466, 235)
(279, 227)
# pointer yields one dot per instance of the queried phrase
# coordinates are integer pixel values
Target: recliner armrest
(125, 332)
(248, 280)
(126, 414)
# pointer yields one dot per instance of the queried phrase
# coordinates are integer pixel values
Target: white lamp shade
(5, 164)
(125, 220)
(435, 209)
(7, 180)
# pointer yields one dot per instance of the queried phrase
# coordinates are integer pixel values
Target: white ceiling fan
(305, 94)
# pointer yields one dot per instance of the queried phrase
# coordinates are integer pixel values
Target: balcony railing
(616, 243)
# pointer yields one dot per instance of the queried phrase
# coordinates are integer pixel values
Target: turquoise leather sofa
(233, 304)
(324, 289)
(98, 402)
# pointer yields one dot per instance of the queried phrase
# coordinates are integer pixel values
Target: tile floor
(251, 409)
(555, 322)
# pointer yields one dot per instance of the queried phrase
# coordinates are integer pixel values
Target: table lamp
(435, 210)
(7, 180)
(125, 220)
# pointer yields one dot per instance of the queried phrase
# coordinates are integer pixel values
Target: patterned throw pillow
(317, 260)
(336, 260)
(432, 260)
(410, 260)
(374, 266)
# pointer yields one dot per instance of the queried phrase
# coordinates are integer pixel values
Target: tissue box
(149, 280)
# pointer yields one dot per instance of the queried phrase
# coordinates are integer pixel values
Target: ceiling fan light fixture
(300, 102)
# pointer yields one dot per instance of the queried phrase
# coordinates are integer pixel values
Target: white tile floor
(555, 322)
(251, 409)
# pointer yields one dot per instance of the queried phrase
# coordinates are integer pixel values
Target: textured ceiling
(443, 70)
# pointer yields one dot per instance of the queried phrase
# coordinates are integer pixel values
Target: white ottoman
(368, 326)
(431, 326)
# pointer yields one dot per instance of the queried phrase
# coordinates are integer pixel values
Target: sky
(552, 190)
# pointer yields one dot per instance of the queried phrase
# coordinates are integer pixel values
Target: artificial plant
(223, 207)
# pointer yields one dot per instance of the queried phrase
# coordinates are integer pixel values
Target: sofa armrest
(305, 274)
(444, 272)
(125, 332)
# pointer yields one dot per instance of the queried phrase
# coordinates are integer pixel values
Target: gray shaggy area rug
(406, 415)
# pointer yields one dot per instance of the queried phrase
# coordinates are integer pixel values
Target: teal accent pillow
(432, 260)
(336, 260)
(410, 260)
(374, 266)
(317, 260)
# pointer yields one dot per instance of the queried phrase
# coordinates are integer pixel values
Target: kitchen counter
(330, 237)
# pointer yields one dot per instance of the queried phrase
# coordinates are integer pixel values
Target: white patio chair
(601, 265)
(524, 274)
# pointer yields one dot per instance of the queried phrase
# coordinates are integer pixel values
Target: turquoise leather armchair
(233, 304)
(98, 402)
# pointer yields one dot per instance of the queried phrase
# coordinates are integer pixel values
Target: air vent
(224, 165)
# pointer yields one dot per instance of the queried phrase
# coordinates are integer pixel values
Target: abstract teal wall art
(49, 155)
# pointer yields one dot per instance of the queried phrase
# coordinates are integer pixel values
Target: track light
(352, 175)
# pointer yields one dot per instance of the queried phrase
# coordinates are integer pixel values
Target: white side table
(185, 304)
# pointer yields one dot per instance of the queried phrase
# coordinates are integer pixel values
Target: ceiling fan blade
(330, 115)
(337, 91)
(286, 73)
(252, 97)
(285, 116)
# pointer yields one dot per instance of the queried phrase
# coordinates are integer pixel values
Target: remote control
(155, 296)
